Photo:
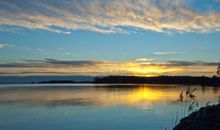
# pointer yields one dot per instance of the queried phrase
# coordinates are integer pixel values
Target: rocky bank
(206, 118)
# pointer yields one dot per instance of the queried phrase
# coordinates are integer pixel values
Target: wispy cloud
(39, 51)
(108, 16)
(101, 68)
(2, 45)
(166, 53)
(143, 59)
(16, 46)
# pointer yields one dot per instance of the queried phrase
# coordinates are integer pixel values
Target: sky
(109, 37)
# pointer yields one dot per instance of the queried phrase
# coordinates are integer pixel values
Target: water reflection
(142, 96)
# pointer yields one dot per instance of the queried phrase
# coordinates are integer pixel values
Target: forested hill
(189, 80)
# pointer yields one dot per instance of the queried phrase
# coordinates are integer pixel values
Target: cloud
(190, 63)
(166, 53)
(49, 63)
(2, 45)
(137, 67)
(109, 16)
(143, 59)
(12, 29)
(73, 63)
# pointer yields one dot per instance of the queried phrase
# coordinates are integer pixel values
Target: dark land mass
(37, 79)
(57, 81)
(206, 118)
(183, 80)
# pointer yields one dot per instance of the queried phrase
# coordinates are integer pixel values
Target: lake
(97, 106)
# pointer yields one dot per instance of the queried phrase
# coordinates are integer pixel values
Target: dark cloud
(49, 63)
(60, 63)
(101, 68)
(73, 63)
(22, 65)
(191, 63)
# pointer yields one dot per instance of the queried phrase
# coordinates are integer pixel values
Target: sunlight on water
(142, 103)
(100, 96)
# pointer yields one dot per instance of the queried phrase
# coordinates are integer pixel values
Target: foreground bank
(206, 118)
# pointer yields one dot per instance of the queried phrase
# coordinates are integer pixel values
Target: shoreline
(124, 80)
(206, 118)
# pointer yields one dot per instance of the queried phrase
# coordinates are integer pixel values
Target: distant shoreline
(168, 80)
(178, 80)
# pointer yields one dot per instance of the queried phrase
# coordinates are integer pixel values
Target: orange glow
(138, 67)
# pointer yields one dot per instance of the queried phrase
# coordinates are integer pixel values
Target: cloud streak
(137, 67)
(2, 45)
(166, 53)
(109, 16)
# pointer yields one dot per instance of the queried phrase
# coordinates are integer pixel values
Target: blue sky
(114, 32)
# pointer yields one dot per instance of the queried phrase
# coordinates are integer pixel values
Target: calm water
(95, 107)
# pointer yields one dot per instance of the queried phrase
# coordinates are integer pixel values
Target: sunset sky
(109, 37)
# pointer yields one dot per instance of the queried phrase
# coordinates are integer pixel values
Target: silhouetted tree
(218, 70)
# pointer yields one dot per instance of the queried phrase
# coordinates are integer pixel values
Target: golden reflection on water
(137, 96)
